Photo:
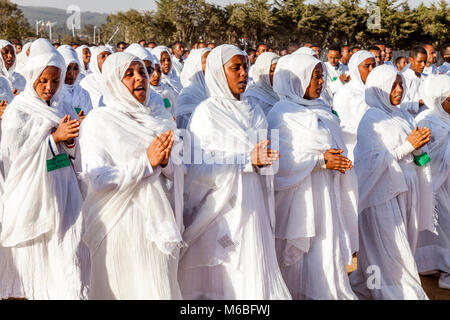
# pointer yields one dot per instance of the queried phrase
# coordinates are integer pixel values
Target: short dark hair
(176, 43)
(121, 42)
(416, 50)
(356, 47)
(249, 51)
(373, 48)
(444, 48)
(334, 48)
(388, 46)
(261, 44)
(142, 40)
(398, 59)
(292, 47)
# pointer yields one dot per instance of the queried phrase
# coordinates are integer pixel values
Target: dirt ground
(429, 284)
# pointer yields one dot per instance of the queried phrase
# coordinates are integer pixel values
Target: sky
(108, 6)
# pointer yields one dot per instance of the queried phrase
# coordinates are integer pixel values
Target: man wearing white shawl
(134, 204)
(194, 87)
(395, 198)
(260, 92)
(433, 251)
(22, 58)
(93, 82)
(349, 101)
(149, 62)
(8, 62)
(40, 238)
(74, 95)
(315, 205)
(170, 86)
(414, 77)
(229, 201)
(337, 72)
(84, 57)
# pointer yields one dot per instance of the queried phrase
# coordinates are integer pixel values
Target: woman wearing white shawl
(194, 87)
(133, 221)
(169, 87)
(395, 198)
(315, 205)
(22, 58)
(229, 202)
(349, 101)
(7, 67)
(93, 82)
(149, 61)
(260, 92)
(84, 57)
(41, 221)
(74, 95)
(433, 251)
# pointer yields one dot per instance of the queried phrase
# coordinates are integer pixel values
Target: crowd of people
(150, 172)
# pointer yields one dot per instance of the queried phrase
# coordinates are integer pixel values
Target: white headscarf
(93, 65)
(355, 60)
(22, 57)
(140, 52)
(79, 52)
(434, 90)
(261, 88)
(193, 80)
(15, 79)
(171, 78)
(306, 50)
(291, 80)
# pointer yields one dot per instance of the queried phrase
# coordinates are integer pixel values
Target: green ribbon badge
(60, 161)
(422, 160)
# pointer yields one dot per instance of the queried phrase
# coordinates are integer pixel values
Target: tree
(12, 22)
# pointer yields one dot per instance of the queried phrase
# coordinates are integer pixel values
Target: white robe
(394, 198)
(411, 86)
(229, 205)
(316, 208)
(445, 68)
(132, 212)
(433, 251)
(41, 249)
(432, 69)
(15, 79)
(333, 74)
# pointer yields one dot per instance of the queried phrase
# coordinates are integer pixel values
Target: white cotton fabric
(316, 208)
(41, 222)
(6, 93)
(395, 201)
(22, 58)
(170, 86)
(228, 214)
(335, 73)
(16, 80)
(433, 251)
(349, 101)
(260, 92)
(132, 212)
(306, 50)
(93, 82)
(83, 70)
(140, 52)
(74, 95)
(412, 96)
(194, 87)
(444, 68)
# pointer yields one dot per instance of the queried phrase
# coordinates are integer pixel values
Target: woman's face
(315, 85)
(204, 56)
(148, 66)
(136, 81)
(101, 59)
(272, 72)
(166, 63)
(365, 68)
(73, 70)
(86, 56)
(236, 71)
(446, 105)
(397, 91)
(47, 84)
(156, 76)
(9, 56)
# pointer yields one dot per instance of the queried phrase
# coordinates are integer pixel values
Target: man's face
(377, 54)
(431, 55)
(345, 54)
(388, 55)
(318, 50)
(417, 63)
(252, 57)
(401, 64)
(333, 57)
(121, 47)
(178, 50)
(447, 54)
(261, 49)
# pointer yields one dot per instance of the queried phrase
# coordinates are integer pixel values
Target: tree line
(277, 23)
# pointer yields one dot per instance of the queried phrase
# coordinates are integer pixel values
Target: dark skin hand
(419, 137)
(334, 160)
(67, 130)
(262, 156)
(159, 151)
(81, 116)
(2, 108)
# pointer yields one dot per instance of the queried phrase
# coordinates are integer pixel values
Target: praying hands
(159, 151)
